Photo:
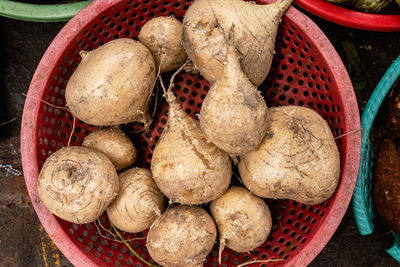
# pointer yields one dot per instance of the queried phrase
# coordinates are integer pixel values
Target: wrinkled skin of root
(115, 144)
(183, 236)
(112, 84)
(163, 37)
(234, 115)
(243, 219)
(77, 184)
(205, 35)
(188, 168)
(138, 203)
(298, 158)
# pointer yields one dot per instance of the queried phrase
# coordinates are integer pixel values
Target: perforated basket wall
(306, 71)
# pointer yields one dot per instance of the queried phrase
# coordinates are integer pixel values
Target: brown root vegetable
(392, 115)
(139, 202)
(243, 219)
(187, 168)
(115, 144)
(234, 114)
(112, 84)
(182, 237)
(163, 37)
(298, 158)
(386, 185)
(205, 35)
(77, 184)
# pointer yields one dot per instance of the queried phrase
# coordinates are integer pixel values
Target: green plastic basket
(41, 13)
(362, 202)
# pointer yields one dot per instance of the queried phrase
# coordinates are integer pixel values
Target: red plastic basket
(352, 18)
(306, 71)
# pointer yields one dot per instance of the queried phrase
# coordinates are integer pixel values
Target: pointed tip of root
(283, 5)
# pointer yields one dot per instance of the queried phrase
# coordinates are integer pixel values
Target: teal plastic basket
(362, 201)
(41, 13)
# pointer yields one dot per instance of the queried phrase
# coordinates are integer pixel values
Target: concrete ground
(23, 242)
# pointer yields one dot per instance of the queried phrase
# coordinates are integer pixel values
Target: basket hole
(225, 258)
(129, 262)
(292, 234)
(295, 91)
(308, 218)
(275, 249)
(303, 228)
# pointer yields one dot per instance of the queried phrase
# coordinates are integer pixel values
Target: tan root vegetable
(205, 35)
(187, 168)
(298, 158)
(234, 114)
(138, 203)
(112, 84)
(182, 237)
(115, 144)
(163, 37)
(77, 184)
(243, 220)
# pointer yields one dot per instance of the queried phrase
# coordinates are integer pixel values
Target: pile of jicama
(282, 153)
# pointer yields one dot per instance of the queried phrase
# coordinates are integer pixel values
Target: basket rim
(40, 13)
(351, 18)
(84, 17)
(362, 215)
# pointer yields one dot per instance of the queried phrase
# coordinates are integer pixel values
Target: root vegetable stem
(130, 248)
(65, 108)
(258, 261)
(114, 236)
